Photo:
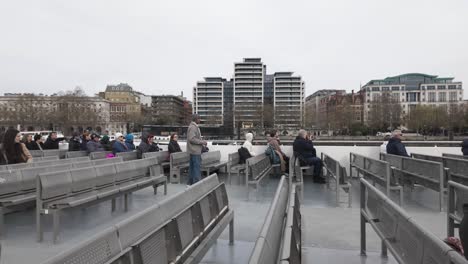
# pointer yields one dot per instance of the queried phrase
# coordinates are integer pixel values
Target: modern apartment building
(167, 110)
(208, 101)
(248, 93)
(288, 101)
(413, 89)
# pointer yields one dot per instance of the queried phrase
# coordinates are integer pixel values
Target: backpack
(270, 152)
(244, 154)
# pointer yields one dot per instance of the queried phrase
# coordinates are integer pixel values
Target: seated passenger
(84, 141)
(248, 144)
(52, 141)
(173, 144)
(129, 142)
(28, 141)
(13, 150)
(119, 144)
(304, 148)
(395, 146)
(94, 145)
(106, 144)
(75, 143)
(465, 147)
(37, 144)
(273, 141)
(146, 145)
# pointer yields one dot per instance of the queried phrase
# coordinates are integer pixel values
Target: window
(431, 87)
(440, 87)
(395, 88)
(453, 96)
(396, 97)
(385, 88)
(452, 87)
(431, 96)
(442, 97)
(375, 89)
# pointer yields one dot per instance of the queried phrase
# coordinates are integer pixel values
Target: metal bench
(126, 156)
(338, 173)
(407, 241)
(457, 196)
(99, 154)
(83, 187)
(454, 156)
(455, 169)
(91, 163)
(212, 161)
(257, 168)
(76, 154)
(234, 165)
(18, 191)
(179, 229)
(162, 156)
(426, 173)
(178, 162)
(376, 171)
(279, 240)
(45, 158)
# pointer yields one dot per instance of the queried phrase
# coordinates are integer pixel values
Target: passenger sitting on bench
(248, 144)
(304, 147)
(394, 146)
(273, 141)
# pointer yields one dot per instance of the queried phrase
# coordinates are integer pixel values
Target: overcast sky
(164, 47)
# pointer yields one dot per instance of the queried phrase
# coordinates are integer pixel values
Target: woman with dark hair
(13, 150)
(173, 144)
(37, 144)
(28, 141)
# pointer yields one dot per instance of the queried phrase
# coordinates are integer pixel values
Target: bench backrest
(257, 166)
(291, 242)
(35, 159)
(233, 158)
(76, 154)
(407, 240)
(428, 169)
(394, 160)
(454, 156)
(457, 167)
(158, 234)
(356, 160)
(457, 196)
(179, 158)
(162, 156)
(267, 246)
(36, 153)
(210, 157)
(334, 166)
(427, 157)
(51, 152)
(99, 154)
(131, 155)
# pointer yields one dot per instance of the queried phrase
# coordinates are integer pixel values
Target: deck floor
(330, 234)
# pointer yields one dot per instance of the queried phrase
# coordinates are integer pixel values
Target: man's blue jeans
(194, 169)
(317, 163)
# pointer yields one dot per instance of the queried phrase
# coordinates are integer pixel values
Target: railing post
(388, 179)
(338, 175)
(441, 187)
(363, 220)
(384, 249)
(350, 166)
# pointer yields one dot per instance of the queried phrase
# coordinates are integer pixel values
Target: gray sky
(164, 47)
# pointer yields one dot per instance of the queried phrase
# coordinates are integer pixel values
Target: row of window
(429, 87)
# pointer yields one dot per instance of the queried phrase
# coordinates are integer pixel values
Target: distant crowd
(15, 148)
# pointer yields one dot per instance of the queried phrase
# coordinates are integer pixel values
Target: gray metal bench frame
(178, 162)
(338, 173)
(407, 241)
(427, 173)
(457, 196)
(161, 156)
(234, 165)
(279, 240)
(378, 171)
(126, 156)
(212, 161)
(162, 233)
(454, 156)
(42, 207)
(76, 154)
(256, 169)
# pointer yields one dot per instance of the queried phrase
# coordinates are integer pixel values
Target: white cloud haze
(164, 47)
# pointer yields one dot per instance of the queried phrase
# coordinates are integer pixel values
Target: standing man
(194, 148)
(395, 146)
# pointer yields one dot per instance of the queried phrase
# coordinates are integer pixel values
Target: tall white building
(288, 100)
(414, 89)
(208, 101)
(248, 93)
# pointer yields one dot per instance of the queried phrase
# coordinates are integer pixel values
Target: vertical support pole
(231, 231)
(363, 220)
(388, 179)
(338, 175)
(384, 249)
(2, 221)
(56, 223)
(441, 187)
(126, 202)
(450, 209)
(350, 165)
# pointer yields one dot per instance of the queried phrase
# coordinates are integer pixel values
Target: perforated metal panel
(184, 224)
(205, 210)
(153, 249)
(410, 242)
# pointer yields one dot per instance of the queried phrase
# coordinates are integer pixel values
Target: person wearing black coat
(52, 141)
(173, 144)
(465, 147)
(74, 144)
(304, 148)
(37, 143)
(146, 145)
(394, 146)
